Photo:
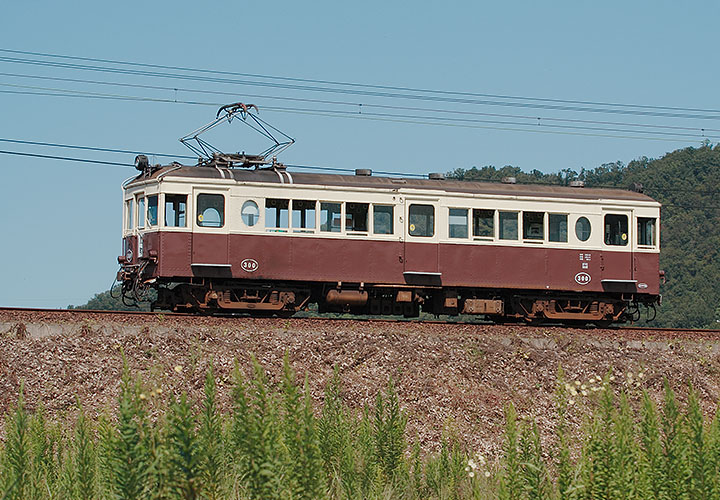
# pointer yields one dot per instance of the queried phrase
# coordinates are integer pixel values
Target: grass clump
(274, 443)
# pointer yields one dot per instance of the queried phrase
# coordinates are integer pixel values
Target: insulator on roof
(364, 172)
(577, 184)
(509, 180)
(637, 187)
(438, 176)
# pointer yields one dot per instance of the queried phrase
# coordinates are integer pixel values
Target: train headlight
(129, 255)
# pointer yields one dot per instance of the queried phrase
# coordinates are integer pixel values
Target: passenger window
(508, 225)
(175, 208)
(210, 210)
(646, 231)
(152, 213)
(250, 213)
(141, 213)
(383, 219)
(533, 225)
(557, 228)
(458, 223)
(616, 230)
(356, 217)
(303, 216)
(276, 215)
(129, 214)
(582, 229)
(330, 217)
(483, 224)
(421, 220)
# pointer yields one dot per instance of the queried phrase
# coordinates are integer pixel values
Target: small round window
(250, 213)
(582, 229)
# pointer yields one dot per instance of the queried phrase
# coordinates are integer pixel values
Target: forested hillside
(686, 183)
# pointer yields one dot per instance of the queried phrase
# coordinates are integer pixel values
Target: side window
(330, 217)
(483, 224)
(582, 229)
(141, 213)
(129, 213)
(421, 220)
(303, 216)
(557, 227)
(152, 210)
(276, 214)
(508, 225)
(210, 210)
(383, 219)
(616, 230)
(175, 209)
(533, 225)
(356, 217)
(458, 223)
(250, 213)
(646, 231)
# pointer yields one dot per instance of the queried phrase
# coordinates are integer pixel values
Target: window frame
(410, 224)
(589, 225)
(534, 239)
(654, 243)
(259, 221)
(392, 218)
(198, 221)
(494, 219)
(341, 213)
(278, 228)
(130, 214)
(314, 218)
(517, 225)
(467, 223)
(346, 212)
(165, 210)
(567, 226)
(624, 242)
(141, 223)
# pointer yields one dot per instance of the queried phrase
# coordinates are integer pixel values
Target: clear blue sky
(61, 234)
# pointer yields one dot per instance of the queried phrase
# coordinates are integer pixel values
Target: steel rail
(161, 314)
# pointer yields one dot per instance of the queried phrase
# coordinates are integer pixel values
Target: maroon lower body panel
(306, 258)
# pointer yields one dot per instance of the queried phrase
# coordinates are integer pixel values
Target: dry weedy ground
(450, 376)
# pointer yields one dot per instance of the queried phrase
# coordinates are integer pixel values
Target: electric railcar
(272, 242)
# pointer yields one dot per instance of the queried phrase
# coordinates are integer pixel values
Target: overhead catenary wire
(358, 105)
(387, 117)
(591, 108)
(355, 84)
(290, 165)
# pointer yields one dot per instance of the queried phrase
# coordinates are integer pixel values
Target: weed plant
(273, 445)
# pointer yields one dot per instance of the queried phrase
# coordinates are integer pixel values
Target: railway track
(29, 312)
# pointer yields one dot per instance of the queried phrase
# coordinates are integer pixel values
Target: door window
(210, 210)
(421, 220)
(616, 230)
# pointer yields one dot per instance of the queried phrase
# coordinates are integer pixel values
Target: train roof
(273, 176)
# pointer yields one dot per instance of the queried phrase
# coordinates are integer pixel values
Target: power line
(358, 105)
(376, 93)
(387, 117)
(358, 85)
(52, 157)
(299, 166)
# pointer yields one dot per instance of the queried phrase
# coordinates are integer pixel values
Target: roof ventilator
(577, 184)
(363, 172)
(437, 176)
(509, 180)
